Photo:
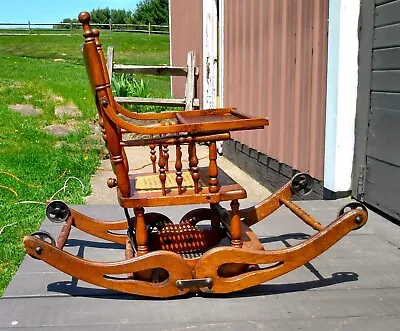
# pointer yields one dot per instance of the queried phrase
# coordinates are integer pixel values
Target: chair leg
(141, 232)
(236, 227)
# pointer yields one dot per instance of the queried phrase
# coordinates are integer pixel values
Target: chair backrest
(100, 83)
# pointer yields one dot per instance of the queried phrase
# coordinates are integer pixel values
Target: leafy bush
(124, 85)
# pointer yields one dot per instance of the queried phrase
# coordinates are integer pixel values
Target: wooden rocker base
(184, 258)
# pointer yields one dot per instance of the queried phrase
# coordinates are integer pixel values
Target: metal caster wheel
(302, 184)
(57, 211)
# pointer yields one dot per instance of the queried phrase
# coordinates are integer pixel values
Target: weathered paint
(186, 31)
(275, 66)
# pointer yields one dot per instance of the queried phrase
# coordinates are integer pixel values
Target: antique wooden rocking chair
(163, 258)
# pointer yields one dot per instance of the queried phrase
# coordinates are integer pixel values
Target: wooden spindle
(193, 162)
(141, 232)
(178, 168)
(235, 225)
(213, 169)
(161, 164)
(153, 157)
(189, 140)
(166, 151)
(166, 156)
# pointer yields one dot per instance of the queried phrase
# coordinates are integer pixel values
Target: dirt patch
(95, 129)
(25, 109)
(67, 110)
(59, 130)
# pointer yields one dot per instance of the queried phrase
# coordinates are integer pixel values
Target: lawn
(47, 71)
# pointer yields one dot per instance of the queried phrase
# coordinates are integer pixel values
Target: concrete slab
(354, 285)
(248, 308)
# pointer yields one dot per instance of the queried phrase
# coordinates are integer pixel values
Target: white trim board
(210, 53)
(342, 80)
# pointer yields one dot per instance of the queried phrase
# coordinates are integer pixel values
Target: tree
(120, 16)
(147, 11)
(151, 11)
(100, 15)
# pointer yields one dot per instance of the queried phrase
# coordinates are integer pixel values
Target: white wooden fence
(69, 29)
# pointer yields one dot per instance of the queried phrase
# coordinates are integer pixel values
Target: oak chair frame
(162, 258)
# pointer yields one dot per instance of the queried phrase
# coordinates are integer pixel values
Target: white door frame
(210, 53)
(342, 80)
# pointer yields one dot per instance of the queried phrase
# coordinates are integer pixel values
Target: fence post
(29, 27)
(149, 29)
(110, 28)
(70, 26)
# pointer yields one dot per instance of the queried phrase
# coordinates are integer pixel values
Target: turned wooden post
(178, 167)
(213, 169)
(166, 151)
(193, 162)
(166, 156)
(235, 226)
(153, 157)
(161, 164)
(141, 232)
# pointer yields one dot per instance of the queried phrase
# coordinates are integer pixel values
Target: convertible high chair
(165, 258)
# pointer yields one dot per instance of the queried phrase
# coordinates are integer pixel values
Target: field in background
(46, 72)
(70, 29)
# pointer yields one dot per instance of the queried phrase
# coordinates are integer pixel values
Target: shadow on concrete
(94, 244)
(71, 288)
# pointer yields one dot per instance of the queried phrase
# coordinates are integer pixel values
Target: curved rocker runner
(210, 249)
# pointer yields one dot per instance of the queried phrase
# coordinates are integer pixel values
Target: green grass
(33, 164)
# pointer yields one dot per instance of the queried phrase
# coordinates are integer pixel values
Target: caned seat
(146, 190)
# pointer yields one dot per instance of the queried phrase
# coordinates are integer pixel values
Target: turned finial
(84, 18)
(96, 34)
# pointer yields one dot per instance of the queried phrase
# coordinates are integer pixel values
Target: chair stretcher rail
(302, 214)
(64, 233)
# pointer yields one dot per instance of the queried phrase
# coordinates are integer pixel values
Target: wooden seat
(146, 190)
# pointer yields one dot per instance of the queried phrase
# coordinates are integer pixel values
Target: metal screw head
(358, 219)
(209, 281)
(104, 103)
(38, 250)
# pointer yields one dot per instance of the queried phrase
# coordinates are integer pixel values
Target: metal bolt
(104, 103)
(358, 220)
(38, 250)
